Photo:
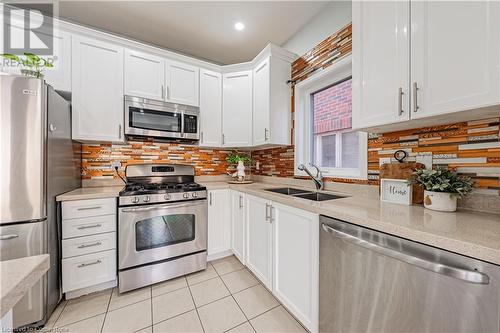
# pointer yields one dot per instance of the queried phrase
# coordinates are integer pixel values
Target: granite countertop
(473, 234)
(18, 276)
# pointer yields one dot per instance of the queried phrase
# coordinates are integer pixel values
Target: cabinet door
(59, 76)
(183, 83)
(455, 56)
(380, 66)
(237, 109)
(144, 75)
(210, 108)
(238, 225)
(259, 239)
(261, 102)
(219, 224)
(296, 253)
(97, 97)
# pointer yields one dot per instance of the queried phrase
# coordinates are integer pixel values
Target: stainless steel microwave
(158, 119)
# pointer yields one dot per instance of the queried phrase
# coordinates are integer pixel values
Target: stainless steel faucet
(318, 179)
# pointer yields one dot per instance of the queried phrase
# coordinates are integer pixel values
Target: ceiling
(203, 29)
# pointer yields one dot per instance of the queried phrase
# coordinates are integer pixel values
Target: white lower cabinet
(238, 225)
(296, 262)
(88, 246)
(259, 239)
(282, 250)
(88, 270)
(219, 224)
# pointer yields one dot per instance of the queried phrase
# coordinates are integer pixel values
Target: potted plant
(442, 187)
(32, 65)
(239, 160)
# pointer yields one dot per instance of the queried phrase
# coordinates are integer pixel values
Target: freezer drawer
(374, 282)
(22, 240)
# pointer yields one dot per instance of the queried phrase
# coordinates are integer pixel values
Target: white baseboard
(219, 255)
(92, 289)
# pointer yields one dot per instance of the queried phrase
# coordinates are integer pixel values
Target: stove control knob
(167, 197)
(195, 195)
(185, 195)
(134, 200)
(146, 199)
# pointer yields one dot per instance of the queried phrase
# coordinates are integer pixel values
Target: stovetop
(159, 188)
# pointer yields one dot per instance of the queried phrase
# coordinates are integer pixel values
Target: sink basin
(318, 196)
(288, 191)
(305, 194)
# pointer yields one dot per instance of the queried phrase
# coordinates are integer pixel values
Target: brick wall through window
(333, 108)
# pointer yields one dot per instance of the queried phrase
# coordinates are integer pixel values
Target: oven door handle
(173, 205)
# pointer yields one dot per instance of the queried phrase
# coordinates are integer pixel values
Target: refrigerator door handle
(11, 236)
(436, 267)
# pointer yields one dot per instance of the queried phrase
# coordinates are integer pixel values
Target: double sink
(304, 194)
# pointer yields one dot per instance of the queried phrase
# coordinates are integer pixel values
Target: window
(323, 134)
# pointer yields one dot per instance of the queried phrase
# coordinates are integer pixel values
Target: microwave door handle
(150, 208)
(182, 124)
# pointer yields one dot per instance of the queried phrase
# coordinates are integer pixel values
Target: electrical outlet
(116, 164)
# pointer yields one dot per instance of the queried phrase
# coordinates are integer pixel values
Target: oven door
(159, 232)
(153, 120)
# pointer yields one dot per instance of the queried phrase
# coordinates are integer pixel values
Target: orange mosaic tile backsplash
(98, 159)
(471, 148)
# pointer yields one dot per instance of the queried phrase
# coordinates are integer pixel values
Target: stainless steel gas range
(162, 225)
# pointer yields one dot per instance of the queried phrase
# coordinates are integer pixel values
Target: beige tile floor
(225, 297)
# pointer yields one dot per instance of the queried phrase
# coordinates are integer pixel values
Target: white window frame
(303, 137)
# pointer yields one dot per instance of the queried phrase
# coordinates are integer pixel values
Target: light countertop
(83, 193)
(473, 234)
(18, 276)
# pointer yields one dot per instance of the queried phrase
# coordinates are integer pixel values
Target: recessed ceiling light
(239, 26)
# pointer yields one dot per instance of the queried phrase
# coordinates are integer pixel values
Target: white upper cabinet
(210, 108)
(380, 66)
(271, 102)
(237, 109)
(144, 75)
(97, 90)
(59, 76)
(183, 83)
(455, 56)
(261, 102)
(452, 66)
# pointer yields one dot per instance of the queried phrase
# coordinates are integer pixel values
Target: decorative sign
(395, 191)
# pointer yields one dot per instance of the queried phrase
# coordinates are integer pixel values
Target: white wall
(330, 20)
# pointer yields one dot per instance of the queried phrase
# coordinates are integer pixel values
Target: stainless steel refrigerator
(38, 161)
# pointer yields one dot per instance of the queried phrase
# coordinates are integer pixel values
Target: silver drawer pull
(5, 237)
(89, 208)
(83, 246)
(90, 263)
(89, 226)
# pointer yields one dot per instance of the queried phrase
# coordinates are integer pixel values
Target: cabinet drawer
(88, 226)
(88, 270)
(87, 208)
(88, 244)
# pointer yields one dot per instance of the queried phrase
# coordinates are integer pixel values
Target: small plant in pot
(240, 160)
(442, 187)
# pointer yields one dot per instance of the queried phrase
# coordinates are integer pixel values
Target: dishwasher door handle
(457, 273)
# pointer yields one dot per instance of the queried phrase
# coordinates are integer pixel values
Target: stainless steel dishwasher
(374, 282)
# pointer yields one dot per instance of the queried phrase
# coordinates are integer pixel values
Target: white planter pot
(440, 201)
